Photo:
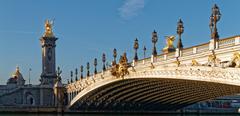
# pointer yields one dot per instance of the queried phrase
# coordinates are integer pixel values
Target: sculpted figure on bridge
(121, 69)
(169, 47)
(170, 40)
(194, 62)
(213, 60)
(235, 62)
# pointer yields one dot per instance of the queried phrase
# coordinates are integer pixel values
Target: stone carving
(213, 61)
(194, 62)
(235, 61)
(177, 62)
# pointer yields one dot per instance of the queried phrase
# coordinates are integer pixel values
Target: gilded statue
(48, 28)
(194, 62)
(177, 62)
(235, 61)
(170, 40)
(169, 47)
(213, 60)
(121, 69)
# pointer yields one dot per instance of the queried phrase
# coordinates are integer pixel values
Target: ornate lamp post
(81, 69)
(180, 30)
(76, 74)
(211, 25)
(88, 67)
(154, 41)
(95, 66)
(71, 76)
(214, 18)
(144, 52)
(136, 45)
(104, 60)
(114, 54)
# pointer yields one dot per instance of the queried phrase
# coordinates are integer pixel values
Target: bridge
(161, 83)
(170, 81)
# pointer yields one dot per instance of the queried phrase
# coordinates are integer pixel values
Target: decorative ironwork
(154, 41)
(76, 74)
(121, 69)
(81, 70)
(59, 72)
(144, 52)
(95, 66)
(104, 60)
(136, 45)
(115, 54)
(71, 74)
(214, 18)
(180, 30)
(88, 67)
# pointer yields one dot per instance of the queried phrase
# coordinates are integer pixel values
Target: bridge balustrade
(228, 42)
(187, 51)
(202, 48)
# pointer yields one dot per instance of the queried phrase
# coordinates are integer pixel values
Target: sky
(87, 28)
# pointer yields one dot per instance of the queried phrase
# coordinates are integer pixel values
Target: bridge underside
(151, 94)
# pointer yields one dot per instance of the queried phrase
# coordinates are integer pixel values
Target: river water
(112, 114)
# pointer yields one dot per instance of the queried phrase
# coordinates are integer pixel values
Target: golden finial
(48, 28)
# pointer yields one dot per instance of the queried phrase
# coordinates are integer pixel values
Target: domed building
(16, 79)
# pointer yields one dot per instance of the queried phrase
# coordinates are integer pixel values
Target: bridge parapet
(228, 42)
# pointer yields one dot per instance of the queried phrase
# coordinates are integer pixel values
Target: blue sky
(87, 28)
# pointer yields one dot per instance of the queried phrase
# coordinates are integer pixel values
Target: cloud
(131, 8)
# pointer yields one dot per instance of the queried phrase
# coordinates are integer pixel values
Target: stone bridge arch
(162, 88)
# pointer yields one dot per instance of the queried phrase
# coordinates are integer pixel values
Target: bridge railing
(187, 51)
(226, 42)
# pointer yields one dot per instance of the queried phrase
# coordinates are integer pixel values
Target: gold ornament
(48, 28)
(121, 69)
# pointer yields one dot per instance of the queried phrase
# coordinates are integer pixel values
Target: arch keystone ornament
(121, 69)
